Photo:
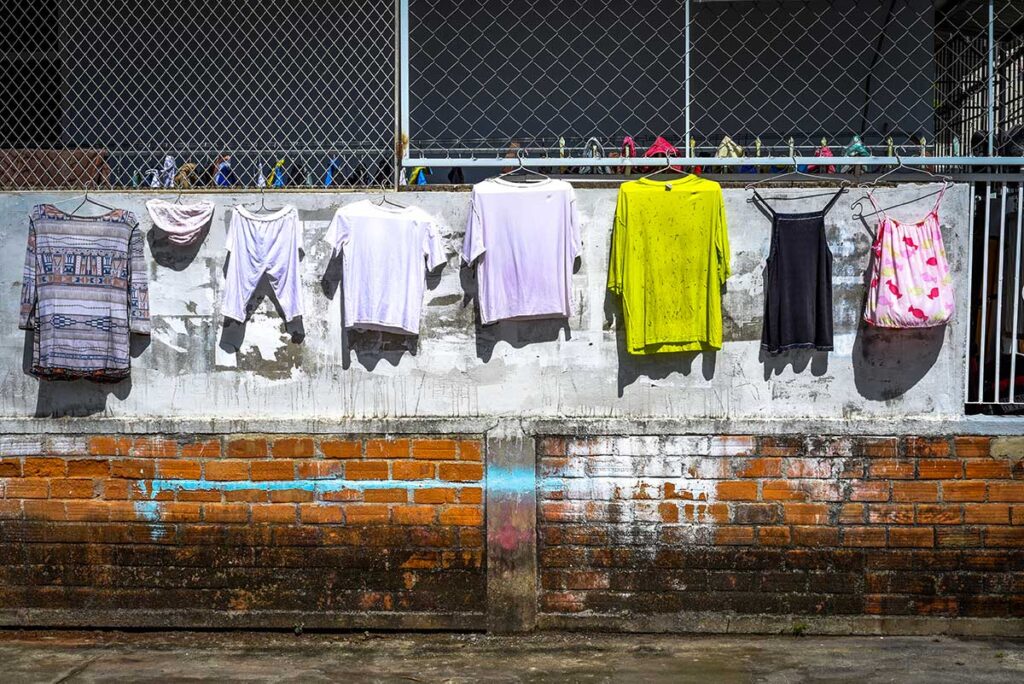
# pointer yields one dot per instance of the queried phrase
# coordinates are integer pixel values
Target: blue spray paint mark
(154, 487)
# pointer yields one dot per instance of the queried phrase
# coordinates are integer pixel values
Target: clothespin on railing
(792, 148)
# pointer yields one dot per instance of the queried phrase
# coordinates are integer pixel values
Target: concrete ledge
(258, 619)
(731, 623)
(565, 426)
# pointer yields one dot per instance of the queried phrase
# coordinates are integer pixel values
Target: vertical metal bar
(686, 58)
(991, 79)
(403, 42)
(982, 346)
(1016, 294)
(396, 176)
(970, 290)
(998, 341)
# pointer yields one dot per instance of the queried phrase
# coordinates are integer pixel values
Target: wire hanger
(666, 168)
(945, 179)
(384, 200)
(844, 183)
(263, 203)
(85, 200)
(522, 168)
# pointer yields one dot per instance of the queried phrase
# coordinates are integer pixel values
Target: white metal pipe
(1016, 294)
(970, 294)
(982, 348)
(655, 162)
(403, 32)
(991, 77)
(999, 294)
(686, 57)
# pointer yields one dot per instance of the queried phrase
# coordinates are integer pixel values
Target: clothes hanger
(524, 169)
(947, 183)
(263, 208)
(384, 200)
(85, 200)
(844, 183)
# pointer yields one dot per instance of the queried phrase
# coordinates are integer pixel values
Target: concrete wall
(189, 368)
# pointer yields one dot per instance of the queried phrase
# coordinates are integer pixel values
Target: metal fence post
(403, 89)
(686, 60)
(991, 78)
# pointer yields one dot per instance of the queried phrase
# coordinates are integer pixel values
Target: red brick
(434, 449)
(226, 512)
(366, 470)
(179, 469)
(806, 514)
(876, 447)
(782, 490)
(1002, 536)
(293, 447)
(470, 450)
(819, 536)
(199, 495)
(758, 467)
(972, 447)
(461, 472)
(316, 514)
(291, 496)
(773, 536)
(10, 467)
(117, 489)
(891, 469)
(852, 514)
(273, 513)
(563, 602)
(732, 445)
(781, 446)
(413, 515)
(891, 514)
(464, 516)
(246, 496)
(668, 512)
(342, 495)
(864, 536)
(434, 495)
(412, 470)
(927, 447)
(988, 469)
(341, 448)
(809, 467)
(109, 446)
(89, 467)
(734, 535)
(10, 510)
(388, 448)
(915, 491)
(967, 490)
(44, 467)
(87, 510)
(207, 448)
(736, 491)
(551, 446)
(226, 471)
(266, 471)
(938, 514)
(367, 514)
(319, 470)
(911, 536)
(41, 509)
(1002, 491)
(386, 495)
(997, 514)
(869, 491)
(174, 511)
(471, 495)
(155, 447)
(939, 469)
(133, 469)
(1017, 515)
(247, 447)
(76, 488)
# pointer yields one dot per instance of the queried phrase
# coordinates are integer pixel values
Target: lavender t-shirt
(525, 237)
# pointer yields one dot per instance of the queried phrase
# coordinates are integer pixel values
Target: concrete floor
(262, 657)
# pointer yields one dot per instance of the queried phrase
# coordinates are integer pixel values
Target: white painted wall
(521, 369)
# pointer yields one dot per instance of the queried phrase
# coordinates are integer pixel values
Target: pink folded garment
(183, 223)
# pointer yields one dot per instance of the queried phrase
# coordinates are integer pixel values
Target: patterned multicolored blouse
(85, 290)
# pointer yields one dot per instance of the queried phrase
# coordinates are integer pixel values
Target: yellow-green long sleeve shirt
(669, 260)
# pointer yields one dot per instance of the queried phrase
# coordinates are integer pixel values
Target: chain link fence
(197, 93)
(229, 93)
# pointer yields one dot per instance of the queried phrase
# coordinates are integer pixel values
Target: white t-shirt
(383, 251)
(526, 236)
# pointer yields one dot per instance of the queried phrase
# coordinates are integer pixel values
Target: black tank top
(798, 282)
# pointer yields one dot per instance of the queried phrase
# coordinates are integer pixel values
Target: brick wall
(838, 526)
(242, 525)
